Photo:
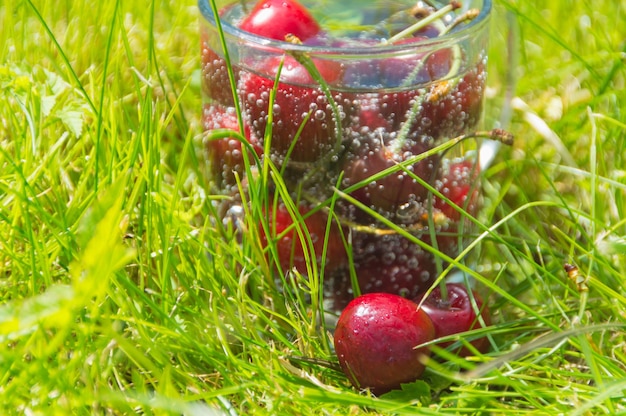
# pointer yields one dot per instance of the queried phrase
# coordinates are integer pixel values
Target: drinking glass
(370, 130)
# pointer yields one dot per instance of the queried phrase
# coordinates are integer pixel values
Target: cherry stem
(422, 23)
(471, 14)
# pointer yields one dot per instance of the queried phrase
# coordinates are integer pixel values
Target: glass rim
(372, 50)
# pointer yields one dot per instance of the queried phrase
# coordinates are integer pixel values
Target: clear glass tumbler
(368, 118)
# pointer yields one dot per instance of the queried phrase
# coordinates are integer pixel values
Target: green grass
(122, 293)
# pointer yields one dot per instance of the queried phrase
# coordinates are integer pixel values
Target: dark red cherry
(452, 108)
(277, 18)
(392, 264)
(398, 195)
(457, 314)
(414, 69)
(300, 111)
(459, 184)
(215, 80)
(376, 339)
(387, 263)
(442, 109)
(291, 248)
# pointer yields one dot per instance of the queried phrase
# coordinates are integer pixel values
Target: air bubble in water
(388, 257)
(412, 263)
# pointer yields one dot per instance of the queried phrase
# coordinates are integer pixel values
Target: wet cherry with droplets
(276, 18)
(457, 314)
(378, 341)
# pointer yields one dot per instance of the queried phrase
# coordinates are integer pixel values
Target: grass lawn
(121, 291)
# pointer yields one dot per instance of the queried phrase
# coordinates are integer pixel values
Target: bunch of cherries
(358, 133)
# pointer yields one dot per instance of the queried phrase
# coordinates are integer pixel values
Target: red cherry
(363, 73)
(456, 185)
(397, 196)
(386, 263)
(370, 115)
(385, 109)
(413, 69)
(408, 69)
(215, 81)
(389, 110)
(225, 155)
(392, 264)
(290, 246)
(457, 315)
(428, 32)
(296, 100)
(452, 109)
(277, 18)
(375, 341)
(448, 109)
